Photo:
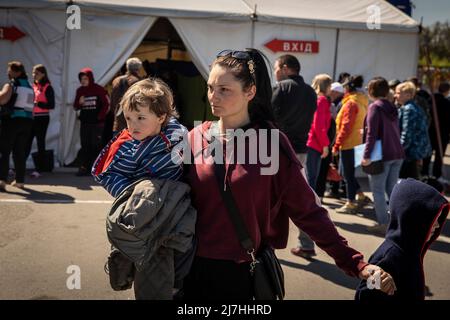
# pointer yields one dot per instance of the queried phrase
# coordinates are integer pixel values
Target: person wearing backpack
(17, 125)
(44, 101)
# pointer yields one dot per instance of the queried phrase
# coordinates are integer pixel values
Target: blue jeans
(348, 168)
(313, 161)
(304, 241)
(382, 184)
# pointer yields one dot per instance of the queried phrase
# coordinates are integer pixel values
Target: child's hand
(385, 282)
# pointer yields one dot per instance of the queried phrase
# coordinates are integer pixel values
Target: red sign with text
(10, 33)
(293, 46)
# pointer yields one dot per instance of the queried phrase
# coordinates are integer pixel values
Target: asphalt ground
(54, 230)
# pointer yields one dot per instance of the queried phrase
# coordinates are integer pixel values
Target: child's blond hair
(321, 82)
(152, 93)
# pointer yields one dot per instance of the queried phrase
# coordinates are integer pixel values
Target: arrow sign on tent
(300, 46)
(10, 33)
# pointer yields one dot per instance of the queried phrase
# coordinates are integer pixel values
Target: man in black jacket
(443, 114)
(294, 103)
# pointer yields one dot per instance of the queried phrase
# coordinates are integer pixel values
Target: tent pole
(336, 53)
(439, 154)
(65, 85)
(254, 18)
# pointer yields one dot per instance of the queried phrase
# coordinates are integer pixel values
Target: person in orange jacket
(349, 125)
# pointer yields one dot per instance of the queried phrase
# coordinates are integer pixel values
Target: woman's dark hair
(444, 87)
(378, 87)
(354, 82)
(17, 66)
(41, 68)
(260, 107)
(343, 76)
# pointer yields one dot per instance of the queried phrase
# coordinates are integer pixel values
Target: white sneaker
(2, 185)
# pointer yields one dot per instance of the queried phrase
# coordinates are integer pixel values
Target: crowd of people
(24, 115)
(397, 114)
(322, 126)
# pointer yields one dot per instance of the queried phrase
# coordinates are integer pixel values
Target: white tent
(111, 30)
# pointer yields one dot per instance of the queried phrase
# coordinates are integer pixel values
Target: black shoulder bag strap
(235, 216)
(267, 280)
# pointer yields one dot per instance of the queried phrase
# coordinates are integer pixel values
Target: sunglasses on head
(244, 55)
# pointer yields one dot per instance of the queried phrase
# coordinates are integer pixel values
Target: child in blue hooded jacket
(418, 213)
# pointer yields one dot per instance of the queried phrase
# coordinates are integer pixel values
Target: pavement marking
(55, 201)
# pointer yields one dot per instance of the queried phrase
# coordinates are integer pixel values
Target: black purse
(268, 276)
(375, 167)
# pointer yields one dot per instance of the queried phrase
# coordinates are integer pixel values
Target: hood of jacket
(387, 108)
(92, 88)
(89, 73)
(414, 207)
(359, 97)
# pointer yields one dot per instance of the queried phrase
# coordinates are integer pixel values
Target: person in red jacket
(318, 142)
(318, 149)
(92, 101)
(239, 92)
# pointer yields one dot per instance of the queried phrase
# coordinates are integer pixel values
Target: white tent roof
(351, 14)
(331, 13)
(112, 30)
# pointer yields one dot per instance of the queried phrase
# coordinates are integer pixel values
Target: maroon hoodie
(96, 101)
(266, 203)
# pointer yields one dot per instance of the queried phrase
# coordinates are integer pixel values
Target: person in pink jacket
(318, 142)
(318, 149)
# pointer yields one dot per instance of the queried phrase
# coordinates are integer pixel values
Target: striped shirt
(126, 160)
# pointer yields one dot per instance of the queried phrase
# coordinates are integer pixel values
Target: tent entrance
(165, 56)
